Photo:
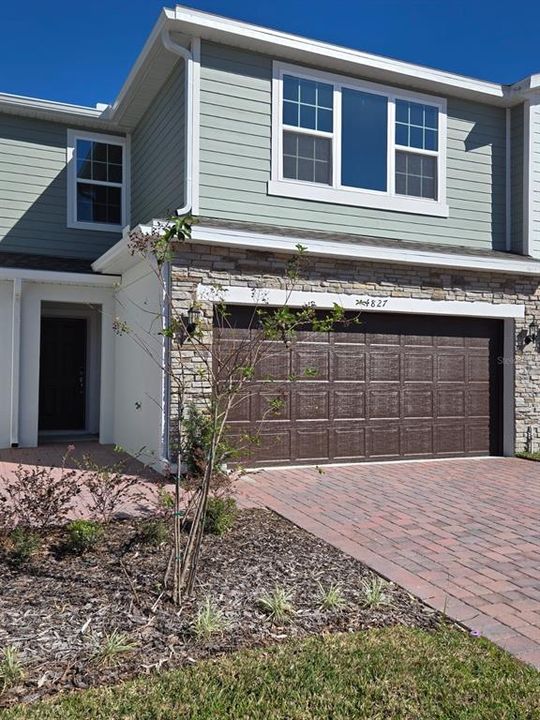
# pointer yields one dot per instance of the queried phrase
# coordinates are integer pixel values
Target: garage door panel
(417, 403)
(384, 367)
(451, 368)
(349, 363)
(450, 402)
(450, 438)
(310, 363)
(273, 363)
(417, 440)
(348, 443)
(384, 404)
(393, 386)
(349, 402)
(383, 441)
(312, 444)
(418, 367)
(312, 402)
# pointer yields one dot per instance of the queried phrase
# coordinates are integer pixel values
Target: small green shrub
(331, 597)
(374, 592)
(24, 544)
(153, 532)
(83, 535)
(209, 620)
(277, 604)
(220, 515)
(11, 669)
(109, 651)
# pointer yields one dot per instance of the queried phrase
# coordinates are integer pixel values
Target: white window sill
(95, 226)
(358, 198)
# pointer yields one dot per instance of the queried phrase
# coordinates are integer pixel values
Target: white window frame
(72, 221)
(338, 193)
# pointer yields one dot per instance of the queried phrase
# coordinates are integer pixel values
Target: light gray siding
(157, 152)
(235, 164)
(33, 193)
(516, 159)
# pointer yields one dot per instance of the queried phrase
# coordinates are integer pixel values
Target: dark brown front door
(394, 386)
(62, 377)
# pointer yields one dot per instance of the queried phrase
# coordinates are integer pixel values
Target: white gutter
(62, 278)
(356, 251)
(15, 361)
(184, 53)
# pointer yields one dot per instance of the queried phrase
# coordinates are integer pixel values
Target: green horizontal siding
(33, 193)
(157, 152)
(235, 164)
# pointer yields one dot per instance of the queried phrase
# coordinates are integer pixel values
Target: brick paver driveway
(463, 535)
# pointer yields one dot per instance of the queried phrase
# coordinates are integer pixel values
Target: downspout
(187, 55)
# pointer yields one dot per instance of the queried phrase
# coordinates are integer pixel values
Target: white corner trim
(15, 361)
(196, 125)
(527, 159)
(351, 251)
(508, 180)
(240, 295)
(124, 141)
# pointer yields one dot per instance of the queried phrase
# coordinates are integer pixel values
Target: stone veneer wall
(196, 264)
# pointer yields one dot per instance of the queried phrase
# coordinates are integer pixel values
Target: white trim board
(59, 278)
(351, 251)
(239, 295)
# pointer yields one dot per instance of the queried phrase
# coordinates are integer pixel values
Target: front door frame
(34, 294)
(92, 370)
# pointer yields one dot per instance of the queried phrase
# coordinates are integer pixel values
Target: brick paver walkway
(463, 535)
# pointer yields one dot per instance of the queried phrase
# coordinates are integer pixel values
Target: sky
(81, 52)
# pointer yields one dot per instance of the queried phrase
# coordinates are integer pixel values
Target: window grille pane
(308, 104)
(417, 125)
(307, 158)
(416, 175)
(364, 140)
(98, 161)
(99, 203)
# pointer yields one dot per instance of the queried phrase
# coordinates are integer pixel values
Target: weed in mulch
(71, 599)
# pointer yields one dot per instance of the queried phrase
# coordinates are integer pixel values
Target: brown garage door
(394, 386)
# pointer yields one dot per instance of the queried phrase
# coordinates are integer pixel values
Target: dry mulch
(57, 609)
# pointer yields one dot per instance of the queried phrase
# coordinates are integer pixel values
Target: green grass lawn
(529, 455)
(389, 674)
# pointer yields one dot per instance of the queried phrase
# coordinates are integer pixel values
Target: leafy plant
(209, 620)
(109, 487)
(277, 604)
(112, 647)
(153, 532)
(220, 515)
(331, 597)
(38, 497)
(83, 535)
(24, 544)
(11, 668)
(374, 592)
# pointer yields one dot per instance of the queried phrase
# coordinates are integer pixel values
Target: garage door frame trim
(275, 297)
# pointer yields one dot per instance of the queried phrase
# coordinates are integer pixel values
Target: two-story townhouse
(415, 191)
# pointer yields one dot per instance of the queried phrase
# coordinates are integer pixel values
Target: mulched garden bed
(56, 608)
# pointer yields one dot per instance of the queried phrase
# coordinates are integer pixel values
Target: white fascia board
(276, 297)
(8, 100)
(370, 253)
(119, 258)
(286, 45)
(58, 278)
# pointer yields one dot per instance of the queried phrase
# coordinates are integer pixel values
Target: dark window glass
(416, 175)
(98, 161)
(99, 203)
(308, 104)
(364, 140)
(307, 158)
(417, 126)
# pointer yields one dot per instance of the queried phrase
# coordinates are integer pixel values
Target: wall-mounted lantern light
(532, 333)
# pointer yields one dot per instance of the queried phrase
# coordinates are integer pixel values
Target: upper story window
(97, 181)
(356, 143)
